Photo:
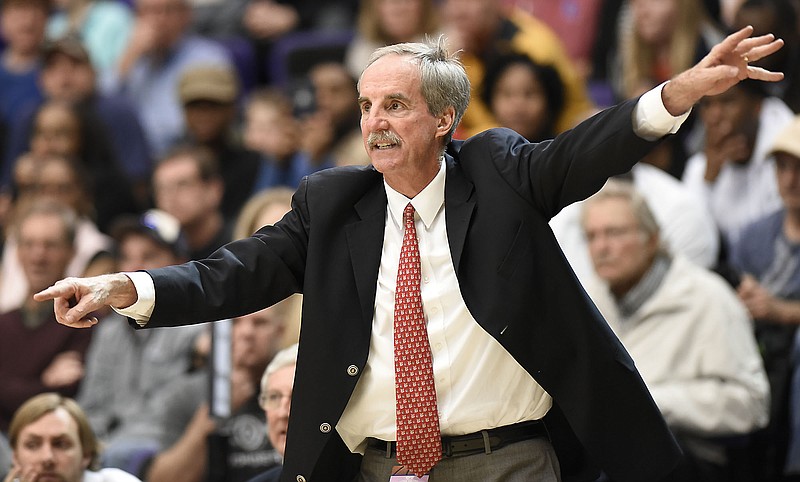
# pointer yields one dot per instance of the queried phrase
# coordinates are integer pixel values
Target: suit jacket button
(325, 427)
(352, 370)
(300, 478)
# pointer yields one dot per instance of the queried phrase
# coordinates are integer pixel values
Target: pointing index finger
(58, 290)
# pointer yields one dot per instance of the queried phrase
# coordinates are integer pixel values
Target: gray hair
(46, 207)
(625, 190)
(444, 81)
(284, 358)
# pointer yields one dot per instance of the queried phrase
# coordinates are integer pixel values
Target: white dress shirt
(478, 384)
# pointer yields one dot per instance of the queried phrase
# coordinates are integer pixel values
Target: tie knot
(408, 213)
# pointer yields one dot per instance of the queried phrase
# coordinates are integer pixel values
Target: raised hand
(77, 298)
(725, 65)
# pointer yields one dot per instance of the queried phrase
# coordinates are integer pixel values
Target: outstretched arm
(77, 298)
(725, 65)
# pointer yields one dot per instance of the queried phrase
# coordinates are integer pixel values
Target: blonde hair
(639, 57)
(40, 405)
(370, 27)
(257, 204)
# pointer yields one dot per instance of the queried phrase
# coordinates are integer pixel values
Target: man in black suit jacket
(498, 192)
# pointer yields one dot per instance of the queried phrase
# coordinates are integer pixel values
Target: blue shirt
(152, 87)
(17, 91)
(764, 252)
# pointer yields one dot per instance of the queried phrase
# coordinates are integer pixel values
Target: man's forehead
(54, 424)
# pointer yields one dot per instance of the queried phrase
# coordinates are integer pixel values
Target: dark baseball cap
(69, 45)
(156, 224)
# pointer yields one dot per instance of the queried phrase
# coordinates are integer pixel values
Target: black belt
(472, 443)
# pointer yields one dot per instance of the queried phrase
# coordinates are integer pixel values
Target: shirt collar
(427, 203)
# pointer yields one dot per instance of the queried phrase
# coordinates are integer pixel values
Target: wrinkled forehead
(390, 71)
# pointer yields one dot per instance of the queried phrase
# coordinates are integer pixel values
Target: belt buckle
(447, 447)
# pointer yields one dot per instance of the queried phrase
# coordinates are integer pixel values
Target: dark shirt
(122, 128)
(28, 345)
(271, 475)
(223, 236)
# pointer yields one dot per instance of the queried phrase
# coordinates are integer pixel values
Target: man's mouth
(382, 140)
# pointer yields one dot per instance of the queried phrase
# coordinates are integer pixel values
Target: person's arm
(77, 298)
(762, 305)
(725, 65)
(662, 110)
(186, 459)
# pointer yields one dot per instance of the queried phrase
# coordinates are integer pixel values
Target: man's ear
(446, 120)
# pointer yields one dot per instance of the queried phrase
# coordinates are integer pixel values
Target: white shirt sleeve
(651, 119)
(146, 298)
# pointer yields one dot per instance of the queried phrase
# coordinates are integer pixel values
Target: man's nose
(375, 121)
(47, 455)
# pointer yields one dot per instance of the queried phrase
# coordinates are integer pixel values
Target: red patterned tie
(419, 443)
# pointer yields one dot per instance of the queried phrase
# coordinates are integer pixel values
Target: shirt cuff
(146, 298)
(651, 120)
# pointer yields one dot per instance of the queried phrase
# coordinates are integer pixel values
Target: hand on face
(724, 144)
(65, 370)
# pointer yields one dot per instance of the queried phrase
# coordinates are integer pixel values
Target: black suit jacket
(500, 192)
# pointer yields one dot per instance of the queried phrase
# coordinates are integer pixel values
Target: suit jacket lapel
(365, 241)
(459, 207)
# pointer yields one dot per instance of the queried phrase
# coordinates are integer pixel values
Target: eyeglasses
(273, 400)
(612, 232)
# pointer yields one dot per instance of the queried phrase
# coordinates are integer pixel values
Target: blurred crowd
(141, 133)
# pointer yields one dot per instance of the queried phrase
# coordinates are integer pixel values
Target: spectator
(121, 404)
(733, 174)
(52, 439)
(658, 39)
(209, 97)
(524, 96)
(781, 18)
(5, 456)
(103, 25)
(386, 22)
(67, 76)
(22, 24)
(480, 28)
(576, 24)
(767, 257)
(61, 129)
(331, 132)
(219, 19)
(272, 131)
(57, 179)
(276, 399)
(187, 425)
(268, 21)
(36, 354)
(685, 225)
(159, 51)
(263, 208)
(687, 332)
(266, 208)
(187, 185)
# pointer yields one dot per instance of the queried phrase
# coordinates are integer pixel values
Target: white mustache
(374, 138)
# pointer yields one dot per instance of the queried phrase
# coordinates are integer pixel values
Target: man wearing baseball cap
(768, 258)
(209, 95)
